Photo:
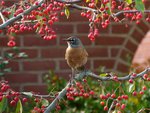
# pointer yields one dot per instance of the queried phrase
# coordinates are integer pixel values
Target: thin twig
(112, 105)
(2, 17)
(69, 1)
(19, 16)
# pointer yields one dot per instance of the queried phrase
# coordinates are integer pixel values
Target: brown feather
(76, 57)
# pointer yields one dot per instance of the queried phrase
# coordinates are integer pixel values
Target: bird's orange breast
(76, 57)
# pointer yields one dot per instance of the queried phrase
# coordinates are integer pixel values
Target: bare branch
(130, 11)
(19, 16)
(81, 75)
(69, 1)
(2, 17)
(111, 106)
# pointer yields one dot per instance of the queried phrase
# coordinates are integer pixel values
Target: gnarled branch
(81, 75)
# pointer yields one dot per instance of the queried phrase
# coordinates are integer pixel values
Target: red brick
(53, 52)
(147, 4)
(21, 77)
(131, 46)
(33, 40)
(114, 52)
(123, 68)
(63, 29)
(63, 65)
(126, 55)
(74, 17)
(38, 65)
(144, 27)
(108, 63)
(137, 35)
(14, 65)
(97, 52)
(32, 53)
(65, 74)
(120, 28)
(109, 40)
(42, 89)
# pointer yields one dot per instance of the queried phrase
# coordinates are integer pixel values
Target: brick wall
(111, 49)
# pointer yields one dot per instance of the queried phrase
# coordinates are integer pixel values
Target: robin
(76, 55)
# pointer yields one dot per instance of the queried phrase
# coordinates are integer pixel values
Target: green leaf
(1, 58)
(19, 107)
(132, 87)
(7, 70)
(109, 10)
(9, 55)
(1, 74)
(67, 12)
(129, 1)
(29, 94)
(5, 62)
(16, 49)
(103, 74)
(22, 54)
(3, 104)
(45, 102)
(139, 5)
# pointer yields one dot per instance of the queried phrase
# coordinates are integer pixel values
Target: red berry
(130, 81)
(144, 88)
(13, 103)
(102, 103)
(134, 93)
(134, 74)
(62, 13)
(24, 100)
(119, 98)
(16, 99)
(1, 97)
(86, 95)
(108, 95)
(91, 92)
(58, 107)
(148, 79)
(145, 76)
(11, 43)
(113, 96)
(102, 96)
(123, 106)
(105, 108)
(118, 104)
(141, 92)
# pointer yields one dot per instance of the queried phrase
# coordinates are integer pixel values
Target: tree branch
(2, 17)
(19, 16)
(81, 75)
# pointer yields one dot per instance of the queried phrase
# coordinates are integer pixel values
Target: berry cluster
(12, 96)
(79, 90)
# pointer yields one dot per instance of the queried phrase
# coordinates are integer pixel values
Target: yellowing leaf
(103, 74)
(132, 87)
(19, 107)
(67, 12)
(129, 1)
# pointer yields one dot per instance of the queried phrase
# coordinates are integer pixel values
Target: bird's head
(73, 41)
